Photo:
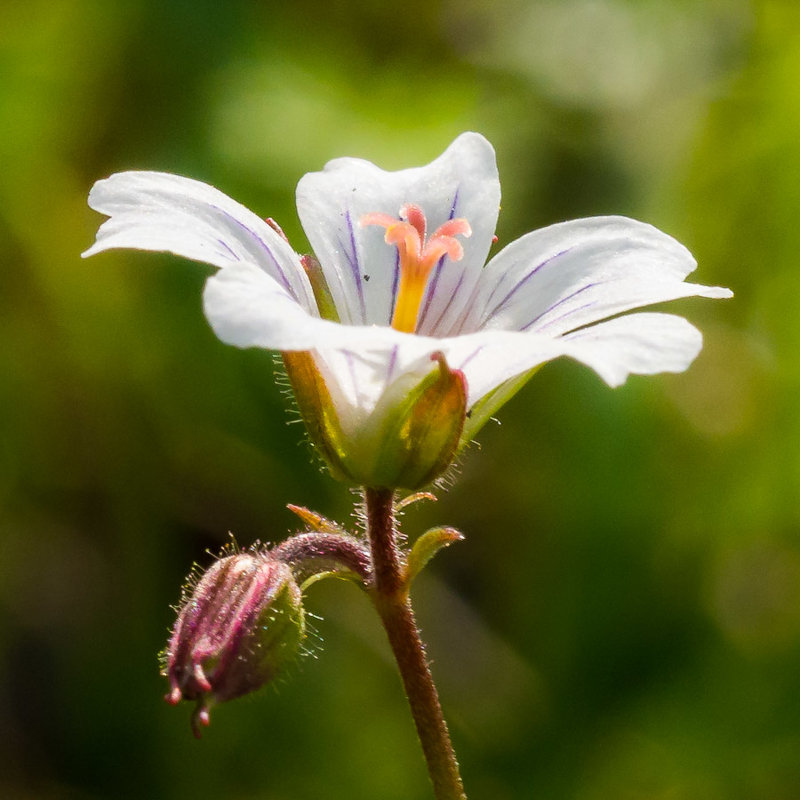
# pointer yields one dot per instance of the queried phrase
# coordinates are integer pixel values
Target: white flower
(558, 291)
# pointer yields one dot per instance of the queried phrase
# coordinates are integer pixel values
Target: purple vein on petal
(351, 254)
(348, 355)
(391, 366)
(565, 315)
(455, 203)
(264, 246)
(470, 357)
(560, 302)
(222, 243)
(520, 283)
(434, 281)
(431, 291)
(436, 324)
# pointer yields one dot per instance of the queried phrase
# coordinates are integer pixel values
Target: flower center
(418, 256)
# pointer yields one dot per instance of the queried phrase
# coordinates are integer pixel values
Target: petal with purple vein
(538, 271)
(161, 212)
(331, 202)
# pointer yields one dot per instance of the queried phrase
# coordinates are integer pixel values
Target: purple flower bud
(239, 625)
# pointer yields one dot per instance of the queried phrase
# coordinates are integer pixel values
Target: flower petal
(640, 344)
(574, 273)
(360, 378)
(366, 365)
(361, 269)
(162, 212)
(643, 344)
(246, 308)
(490, 358)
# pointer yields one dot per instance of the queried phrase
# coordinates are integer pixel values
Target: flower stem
(390, 595)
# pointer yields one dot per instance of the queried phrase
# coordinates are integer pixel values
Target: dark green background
(622, 620)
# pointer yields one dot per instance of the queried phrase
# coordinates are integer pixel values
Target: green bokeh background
(623, 619)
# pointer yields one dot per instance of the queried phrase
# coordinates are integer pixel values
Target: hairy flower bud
(236, 629)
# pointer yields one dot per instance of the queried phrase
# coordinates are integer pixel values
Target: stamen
(418, 257)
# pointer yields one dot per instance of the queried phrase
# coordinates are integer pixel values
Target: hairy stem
(390, 594)
(314, 554)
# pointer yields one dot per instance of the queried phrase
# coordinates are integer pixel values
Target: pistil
(418, 256)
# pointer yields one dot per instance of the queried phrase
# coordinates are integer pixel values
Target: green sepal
(410, 438)
(427, 546)
(420, 438)
(282, 630)
(317, 410)
(315, 520)
(414, 498)
(319, 285)
(483, 410)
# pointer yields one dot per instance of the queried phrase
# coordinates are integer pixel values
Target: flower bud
(236, 629)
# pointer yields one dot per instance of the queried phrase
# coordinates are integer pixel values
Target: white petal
(359, 379)
(640, 344)
(363, 363)
(603, 300)
(163, 212)
(365, 372)
(246, 308)
(569, 275)
(490, 358)
(361, 268)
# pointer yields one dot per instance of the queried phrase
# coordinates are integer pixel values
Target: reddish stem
(390, 595)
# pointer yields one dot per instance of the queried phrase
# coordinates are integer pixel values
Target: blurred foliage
(623, 620)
